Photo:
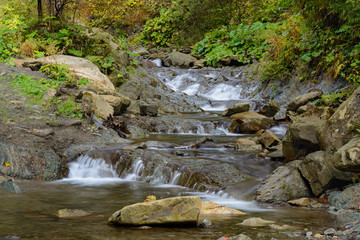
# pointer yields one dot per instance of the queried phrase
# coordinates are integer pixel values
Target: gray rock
(280, 115)
(176, 211)
(305, 108)
(339, 128)
(181, 59)
(82, 68)
(347, 158)
(283, 184)
(30, 163)
(270, 109)
(318, 170)
(9, 185)
(347, 199)
(302, 138)
(299, 101)
(148, 110)
(236, 108)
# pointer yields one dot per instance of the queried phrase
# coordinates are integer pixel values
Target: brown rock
(269, 139)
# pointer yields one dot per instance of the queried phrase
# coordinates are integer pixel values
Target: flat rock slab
(176, 212)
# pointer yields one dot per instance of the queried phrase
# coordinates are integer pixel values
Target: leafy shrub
(246, 42)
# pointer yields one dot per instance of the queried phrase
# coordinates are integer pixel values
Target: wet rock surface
(176, 212)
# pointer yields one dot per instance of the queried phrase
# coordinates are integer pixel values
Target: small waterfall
(136, 171)
(88, 171)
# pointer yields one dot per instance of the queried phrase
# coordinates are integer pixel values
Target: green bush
(246, 42)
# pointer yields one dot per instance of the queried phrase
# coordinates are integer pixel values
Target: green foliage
(246, 42)
(68, 107)
(30, 87)
(335, 99)
(163, 30)
(59, 73)
(105, 64)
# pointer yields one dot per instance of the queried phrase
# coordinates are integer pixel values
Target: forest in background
(310, 39)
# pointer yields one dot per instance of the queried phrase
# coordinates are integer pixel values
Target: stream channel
(94, 186)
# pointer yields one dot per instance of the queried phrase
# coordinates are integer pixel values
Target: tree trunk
(39, 8)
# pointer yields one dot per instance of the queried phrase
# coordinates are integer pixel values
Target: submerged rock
(176, 212)
(69, 213)
(300, 202)
(256, 222)
(211, 208)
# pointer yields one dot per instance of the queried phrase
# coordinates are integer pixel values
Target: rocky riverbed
(237, 153)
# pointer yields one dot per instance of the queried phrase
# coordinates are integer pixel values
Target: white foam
(192, 90)
(224, 92)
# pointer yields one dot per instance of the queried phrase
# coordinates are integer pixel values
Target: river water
(94, 186)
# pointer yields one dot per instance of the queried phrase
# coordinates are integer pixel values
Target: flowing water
(94, 186)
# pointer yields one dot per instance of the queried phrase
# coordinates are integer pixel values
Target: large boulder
(299, 101)
(347, 199)
(347, 158)
(318, 170)
(82, 68)
(339, 129)
(29, 163)
(248, 122)
(302, 138)
(96, 104)
(236, 108)
(270, 109)
(176, 211)
(283, 184)
(181, 59)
